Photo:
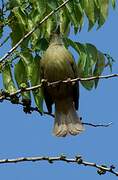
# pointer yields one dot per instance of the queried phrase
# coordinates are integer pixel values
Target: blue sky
(30, 135)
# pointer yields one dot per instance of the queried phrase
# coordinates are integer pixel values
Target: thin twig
(35, 109)
(5, 40)
(98, 125)
(101, 169)
(30, 32)
(57, 82)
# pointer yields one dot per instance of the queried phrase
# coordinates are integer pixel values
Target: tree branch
(101, 169)
(30, 32)
(3, 94)
(32, 109)
(98, 125)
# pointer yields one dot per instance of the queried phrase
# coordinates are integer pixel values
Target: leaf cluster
(20, 16)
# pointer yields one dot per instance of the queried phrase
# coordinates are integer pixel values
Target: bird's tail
(66, 119)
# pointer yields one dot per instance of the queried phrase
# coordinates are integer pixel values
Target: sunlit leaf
(70, 9)
(103, 4)
(80, 15)
(12, 4)
(52, 4)
(21, 16)
(92, 52)
(35, 80)
(85, 66)
(40, 5)
(89, 10)
(64, 22)
(15, 29)
(49, 25)
(76, 45)
(113, 4)
(22, 80)
(109, 62)
(8, 81)
(99, 67)
(27, 59)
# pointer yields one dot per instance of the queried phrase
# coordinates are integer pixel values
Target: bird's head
(56, 37)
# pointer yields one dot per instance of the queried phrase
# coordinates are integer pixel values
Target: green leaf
(34, 16)
(64, 22)
(96, 11)
(41, 44)
(71, 13)
(99, 66)
(86, 63)
(32, 66)
(109, 62)
(22, 81)
(12, 4)
(21, 17)
(92, 52)
(91, 61)
(8, 79)
(50, 26)
(85, 66)
(96, 3)
(113, 3)
(89, 10)
(52, 4)
(80, 15)
(39, 6)
(76, 45)
(35, 80)
(27, 59)
(15, 30)
(103, 4)
(36, 34)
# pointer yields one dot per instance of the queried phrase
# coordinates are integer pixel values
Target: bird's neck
(56, 40)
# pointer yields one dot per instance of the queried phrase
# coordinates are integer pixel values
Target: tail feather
(66, 119)
(60, 126)
(73, 122)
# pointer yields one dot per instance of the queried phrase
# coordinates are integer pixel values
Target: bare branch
(3, 96)
(101, 169)
(30, 32)
(35, 109)
(98, 125)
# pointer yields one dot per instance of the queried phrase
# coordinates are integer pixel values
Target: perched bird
(58, 64)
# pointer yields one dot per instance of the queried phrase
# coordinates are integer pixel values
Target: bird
(58, 64)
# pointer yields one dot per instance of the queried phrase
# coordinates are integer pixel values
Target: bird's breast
(57, 65)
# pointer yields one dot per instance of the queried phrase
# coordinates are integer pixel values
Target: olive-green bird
(58, 64)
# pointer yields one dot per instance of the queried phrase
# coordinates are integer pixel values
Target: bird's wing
(75, 88)
(76, 85)
(47, 97)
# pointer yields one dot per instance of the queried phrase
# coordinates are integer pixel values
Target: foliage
(20, 16)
